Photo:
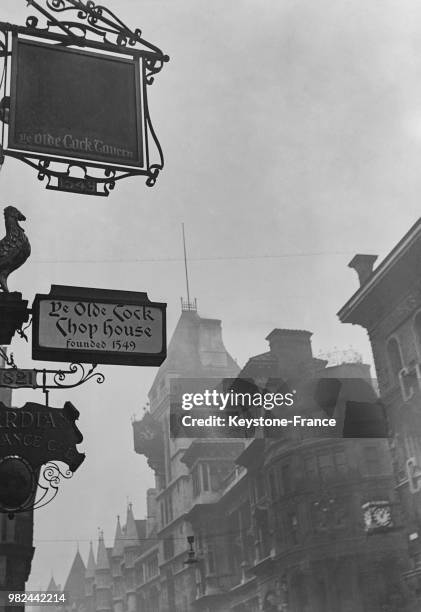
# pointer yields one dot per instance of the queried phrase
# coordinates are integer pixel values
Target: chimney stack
(292, 348)
(363, 265)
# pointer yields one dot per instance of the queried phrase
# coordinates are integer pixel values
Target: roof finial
(189, 305)
(185, 264)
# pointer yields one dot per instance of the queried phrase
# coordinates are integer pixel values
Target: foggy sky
(292, 138)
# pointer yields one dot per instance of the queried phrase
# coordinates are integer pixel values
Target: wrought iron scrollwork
(47, 380)
(51, 475)
(93, 184)
(60, 378)
(95, 20)
(94, 26)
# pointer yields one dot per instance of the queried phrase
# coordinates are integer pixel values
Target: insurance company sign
(40, 434)
(98, 326)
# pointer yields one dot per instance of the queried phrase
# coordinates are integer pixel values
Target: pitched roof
(102, 561)
(131, 537)
(90, 568)
(409, 242)
(196, 346)
(52, 585)
(118, 540)
(75, 583)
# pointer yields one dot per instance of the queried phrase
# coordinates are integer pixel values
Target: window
(152, 566)
(140, 574)
(395, 358)
(218, 472)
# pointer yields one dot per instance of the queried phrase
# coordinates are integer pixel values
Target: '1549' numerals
(118, 345)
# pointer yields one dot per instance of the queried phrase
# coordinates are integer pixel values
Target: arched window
(394, 354)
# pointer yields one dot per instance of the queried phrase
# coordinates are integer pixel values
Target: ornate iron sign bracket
(96, 28)
(50, 477)
(46, 380)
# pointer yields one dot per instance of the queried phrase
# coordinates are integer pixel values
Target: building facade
(196, 350)
(388, 305)
(285, 524)
(302, 522)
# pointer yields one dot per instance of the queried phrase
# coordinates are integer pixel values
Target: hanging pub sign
(98, 326)
(89, 106)
(73, 100)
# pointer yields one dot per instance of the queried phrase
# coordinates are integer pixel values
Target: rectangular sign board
(76, 104)
(98, 326)
(13, 378)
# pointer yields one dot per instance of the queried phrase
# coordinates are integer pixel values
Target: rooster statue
(14, 248)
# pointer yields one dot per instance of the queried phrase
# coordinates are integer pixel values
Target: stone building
(196, 350)
(298, 524)
(388, 305)
(288, 529)
(303, 522)
(108, 583)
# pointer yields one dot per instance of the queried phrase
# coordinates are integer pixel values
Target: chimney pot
(363, 265)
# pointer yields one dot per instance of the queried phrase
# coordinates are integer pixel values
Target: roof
(278, 331)
(382, 269)
(196, 348)
(52, 585)
(90, 568)
(118, 540)
(75, 583)
(102, 560)
(131, 537)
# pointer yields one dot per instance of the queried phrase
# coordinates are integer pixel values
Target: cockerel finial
(14, 248)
